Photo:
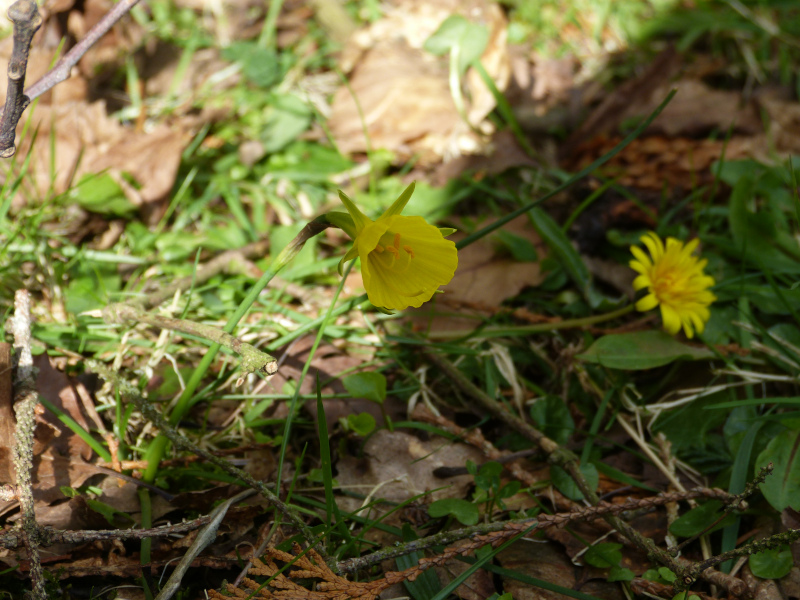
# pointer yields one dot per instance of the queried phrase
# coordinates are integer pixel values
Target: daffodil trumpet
(404, 260)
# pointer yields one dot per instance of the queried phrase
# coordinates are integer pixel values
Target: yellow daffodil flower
(675, 282)
(404, 260)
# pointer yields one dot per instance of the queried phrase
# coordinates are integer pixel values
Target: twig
(25, 407)
(9, 539)
(494, 533)
(61, 71)
(27, 20)
(253, 359)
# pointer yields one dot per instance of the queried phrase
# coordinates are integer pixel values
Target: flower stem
(506, 331)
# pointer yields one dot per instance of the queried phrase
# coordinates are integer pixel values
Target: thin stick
(61, 71)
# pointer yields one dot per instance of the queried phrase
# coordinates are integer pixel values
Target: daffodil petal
(407, 278)
(397, 207)
(360, 220)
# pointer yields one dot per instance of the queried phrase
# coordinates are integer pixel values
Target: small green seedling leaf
(782, 488)
(456, 34)
(771, 564)
(464, 512)
(369, 384)
(641, 350)
(567, 486)
(361, 424)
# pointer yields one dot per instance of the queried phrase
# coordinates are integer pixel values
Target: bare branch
(27, 20)
(60, 72)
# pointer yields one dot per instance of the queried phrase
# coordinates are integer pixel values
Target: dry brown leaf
(88, 141)
(403, 91)
(547, 561)
(397, 466)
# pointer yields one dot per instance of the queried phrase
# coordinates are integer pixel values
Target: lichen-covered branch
(25, 402)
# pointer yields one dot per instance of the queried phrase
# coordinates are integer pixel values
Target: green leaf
(697, 520)
(620, 574)
(369, 384)
(641, 350)
(782, 488)
(427, 585)
(604, 556)
(361, 424)
(101, 194)
(771, 564)
(565, 484)
(259, 65)
(465, 512)
(456, 34)
(521, 249)
(289, 116)
(552, 417)
(667, 575)
(756, 233)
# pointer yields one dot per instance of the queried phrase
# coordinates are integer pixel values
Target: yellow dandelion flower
(404, 260)
(675, 282)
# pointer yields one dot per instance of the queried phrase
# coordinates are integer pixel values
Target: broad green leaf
(697, 520)
(259, 65)
(369, 384)
(604, 555)
(771, 564)
(565, 484)
(552, 417)
(101, 194)
(617, 573)
(641, 350)
(782, 488)
(465, 512)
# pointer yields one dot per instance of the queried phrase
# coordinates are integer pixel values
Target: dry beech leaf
(486, 275)
(403, 465)
(404, 91)
(88, 141)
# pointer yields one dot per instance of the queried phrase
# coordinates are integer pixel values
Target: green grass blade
(75, 427)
